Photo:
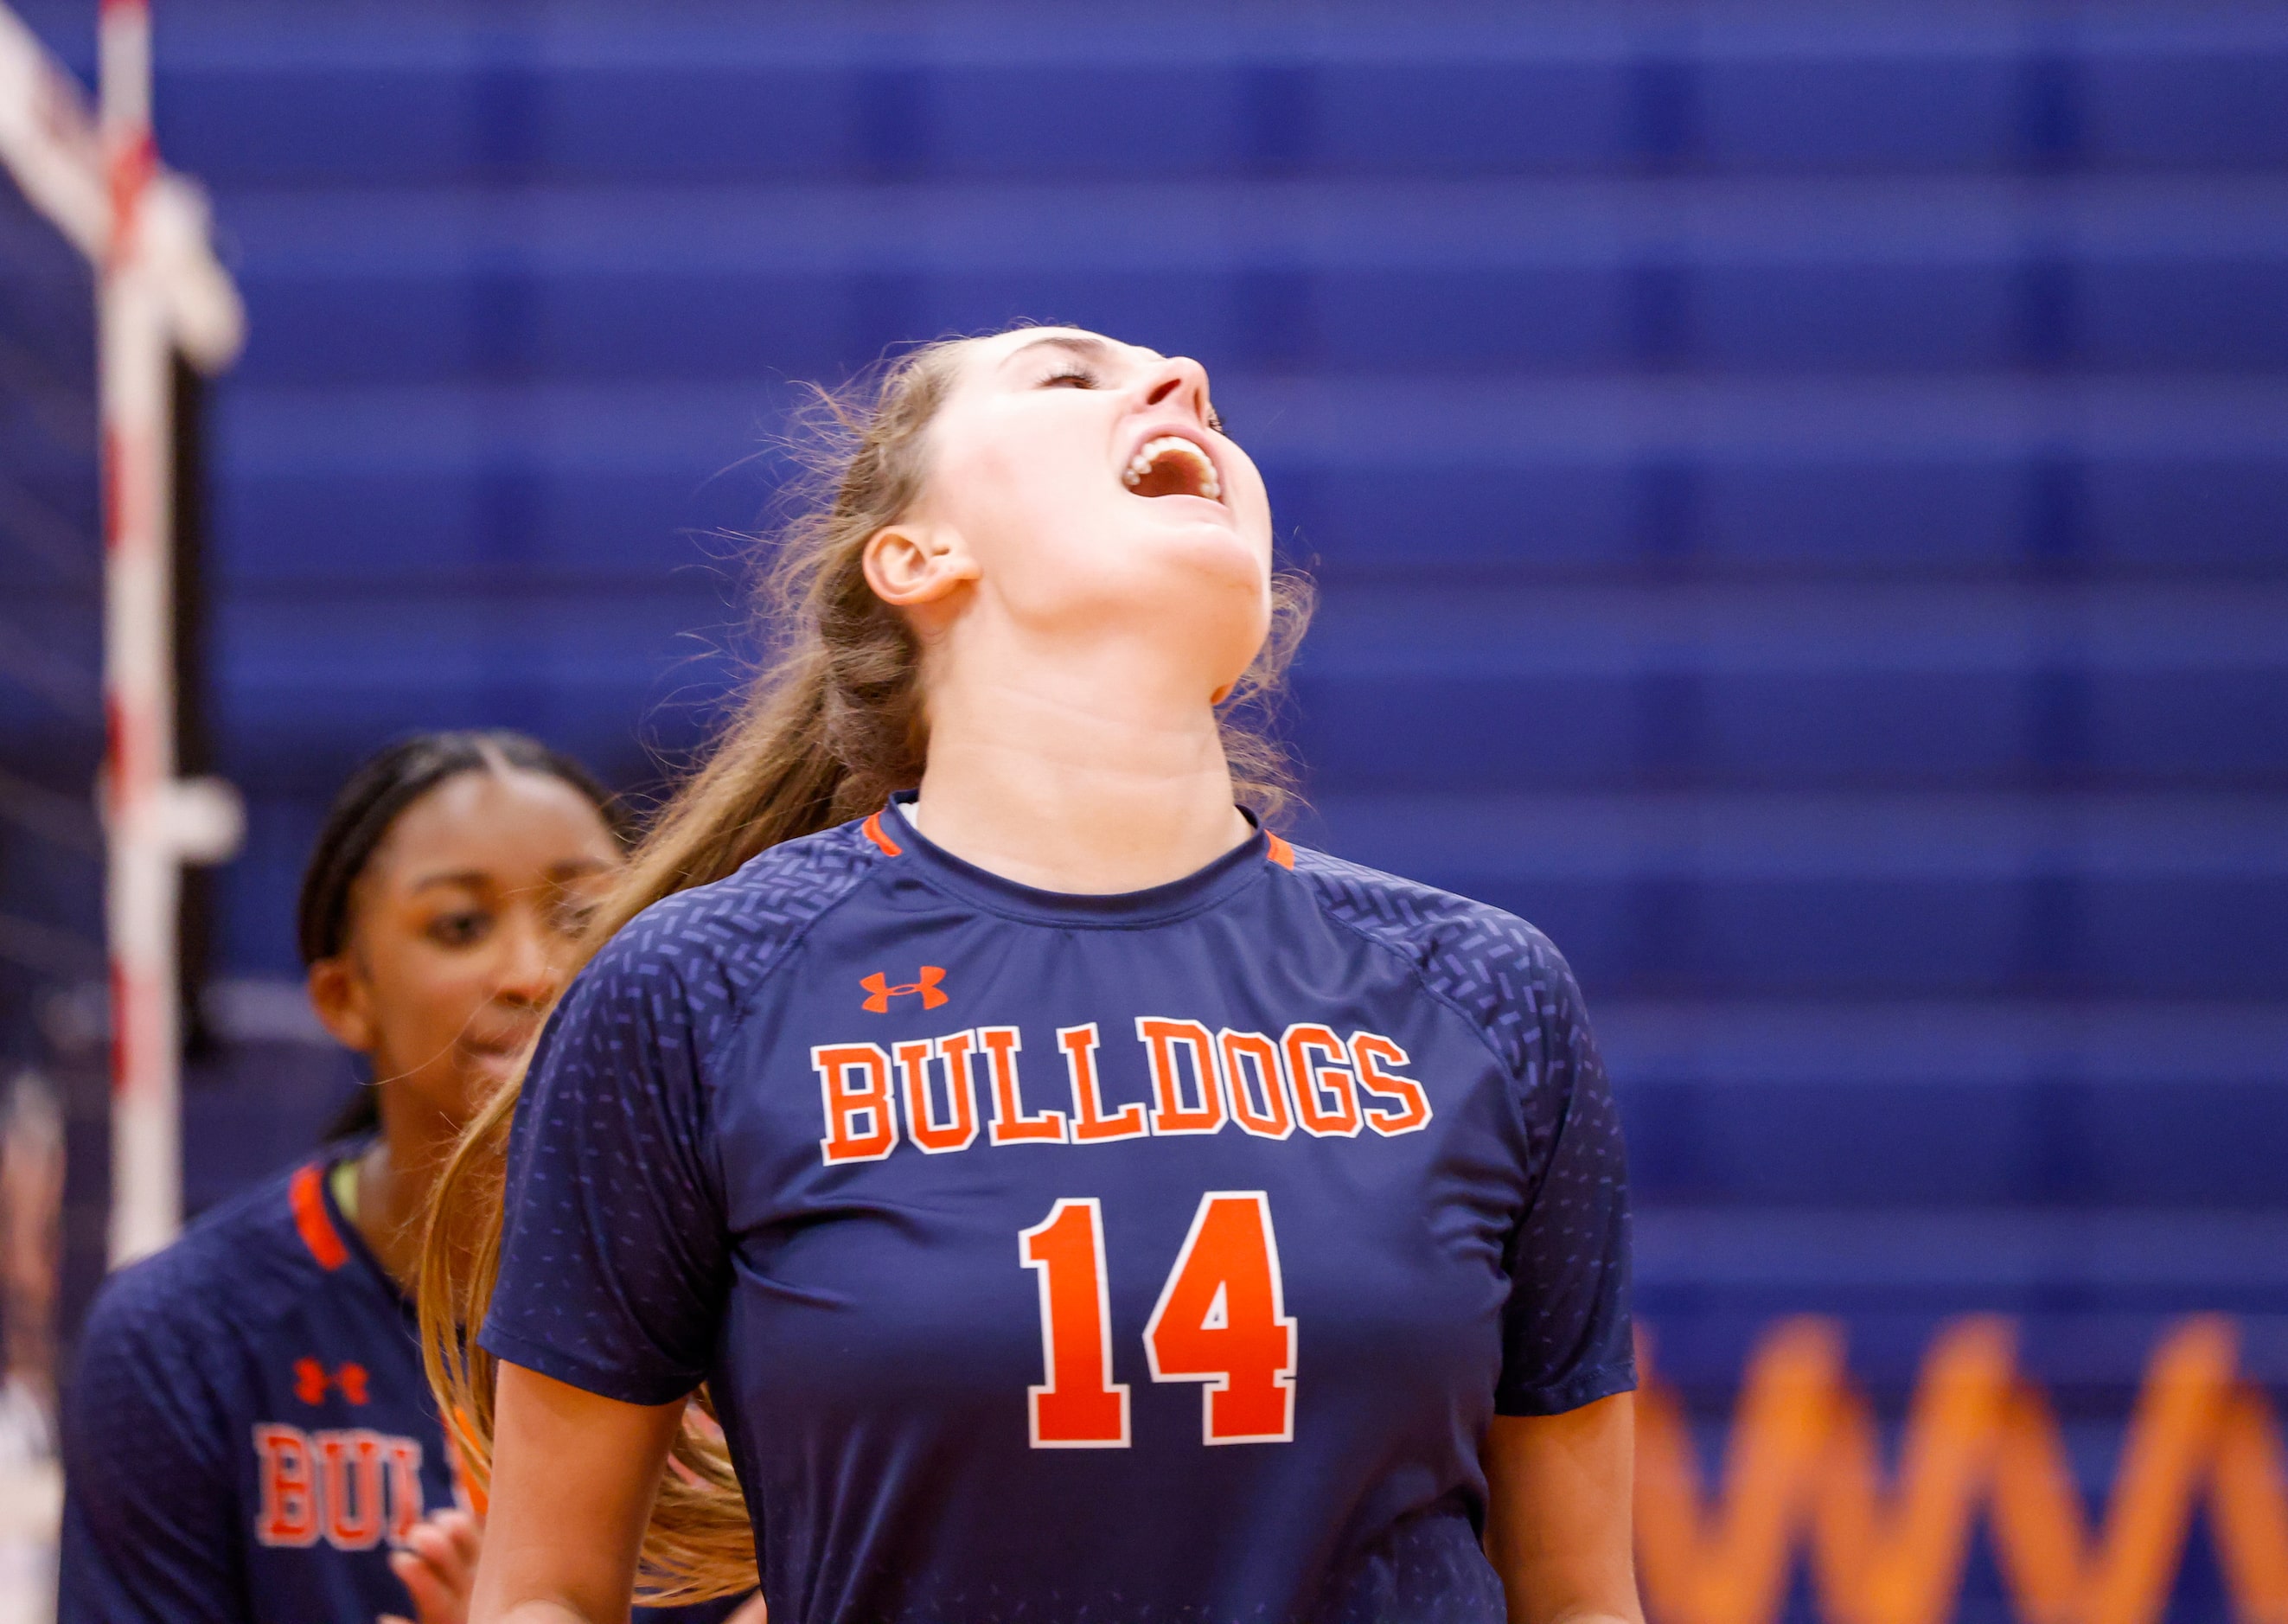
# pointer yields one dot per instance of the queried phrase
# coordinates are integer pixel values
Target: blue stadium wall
(1800, 496)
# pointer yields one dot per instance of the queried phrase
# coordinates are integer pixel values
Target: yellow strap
(342, 1184)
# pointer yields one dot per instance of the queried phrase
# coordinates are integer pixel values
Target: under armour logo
(880, 991)
(312, 1384)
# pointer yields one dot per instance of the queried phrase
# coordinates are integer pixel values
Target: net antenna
(160, 292)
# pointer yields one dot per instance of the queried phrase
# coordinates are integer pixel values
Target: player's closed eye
(571, 916)
(1074, 376)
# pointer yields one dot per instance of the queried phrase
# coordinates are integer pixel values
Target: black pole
(195, 748)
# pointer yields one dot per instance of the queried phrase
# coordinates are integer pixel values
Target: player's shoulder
(166, 1374)
(1429, 925)
(1499, 972)
(722, 935)
(236, 1270)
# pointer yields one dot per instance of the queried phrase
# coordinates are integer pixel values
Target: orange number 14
(1222, 1321)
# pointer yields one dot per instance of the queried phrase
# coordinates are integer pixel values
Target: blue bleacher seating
(1800, 496)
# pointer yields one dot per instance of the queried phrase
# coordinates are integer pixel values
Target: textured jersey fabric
(1160, 1257)
(248, 1432)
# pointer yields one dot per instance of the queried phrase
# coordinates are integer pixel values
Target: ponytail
(833, 725)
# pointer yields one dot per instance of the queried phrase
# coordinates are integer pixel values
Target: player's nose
(1179, 382)
(530, 972)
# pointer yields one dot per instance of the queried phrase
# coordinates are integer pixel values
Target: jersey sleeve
(614, 1264)
(1566, 1339)
(150, 1502)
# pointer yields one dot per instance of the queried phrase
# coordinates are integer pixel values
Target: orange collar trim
(307, 1195)
(1278, 850)
(875, 833)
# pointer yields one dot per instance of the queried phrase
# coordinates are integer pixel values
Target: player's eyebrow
(476, 878)
(1081, 344)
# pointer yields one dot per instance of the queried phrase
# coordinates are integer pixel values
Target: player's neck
(395, 1176)
(1097, 782)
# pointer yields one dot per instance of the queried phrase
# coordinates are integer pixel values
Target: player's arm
(1560, 1456)
(573, 1479)
(1557, 1518)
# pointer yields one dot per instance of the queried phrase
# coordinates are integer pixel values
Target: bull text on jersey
(350, 1486)
(942, 1094)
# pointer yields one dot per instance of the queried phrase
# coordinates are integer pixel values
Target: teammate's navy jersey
(1157, 1256)
(248, 1431)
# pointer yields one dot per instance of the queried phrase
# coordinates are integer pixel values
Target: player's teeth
(1140, 465)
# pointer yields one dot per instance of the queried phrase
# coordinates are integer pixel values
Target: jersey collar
(1229, 874)
(332, 1239)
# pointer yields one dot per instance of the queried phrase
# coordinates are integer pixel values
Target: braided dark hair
(367, 806)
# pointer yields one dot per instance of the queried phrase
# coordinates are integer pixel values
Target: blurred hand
(438, 1567)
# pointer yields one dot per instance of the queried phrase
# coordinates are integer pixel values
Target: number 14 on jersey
(1222, 1321)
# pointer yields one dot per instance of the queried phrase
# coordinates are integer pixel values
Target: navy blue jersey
(1156, 1256)
(248, 1432)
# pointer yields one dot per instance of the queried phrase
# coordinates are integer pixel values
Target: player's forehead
(1005, 352)
(504, 825)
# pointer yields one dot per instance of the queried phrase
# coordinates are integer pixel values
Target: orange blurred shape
(1804, 1468)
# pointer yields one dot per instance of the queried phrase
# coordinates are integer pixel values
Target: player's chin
(1199, 550)
(484, 1067)
(1193, 524)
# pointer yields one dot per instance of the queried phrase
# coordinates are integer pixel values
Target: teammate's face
(462, 929)
(1081, 486)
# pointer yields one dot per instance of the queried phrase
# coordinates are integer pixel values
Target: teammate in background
(249, 1436)
(1078, 1202)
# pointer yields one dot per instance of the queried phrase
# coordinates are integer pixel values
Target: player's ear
(339, 995)
(914, 563)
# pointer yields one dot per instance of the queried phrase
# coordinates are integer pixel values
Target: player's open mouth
(1170, 466)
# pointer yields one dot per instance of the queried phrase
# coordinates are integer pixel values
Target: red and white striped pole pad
(159, 289)
(135, 373)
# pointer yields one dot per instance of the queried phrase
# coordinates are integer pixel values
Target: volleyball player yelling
(1079, 1203)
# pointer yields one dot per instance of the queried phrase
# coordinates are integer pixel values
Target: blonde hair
(831, 726)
